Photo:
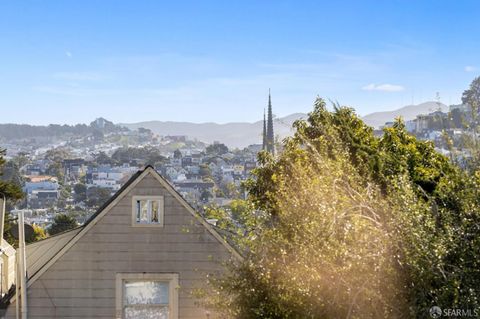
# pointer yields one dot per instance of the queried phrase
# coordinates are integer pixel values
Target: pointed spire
(270, 133)
(264, 134)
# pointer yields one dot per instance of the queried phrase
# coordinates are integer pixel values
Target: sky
(71, 61)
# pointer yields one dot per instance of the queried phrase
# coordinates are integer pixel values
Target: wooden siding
(81, 283)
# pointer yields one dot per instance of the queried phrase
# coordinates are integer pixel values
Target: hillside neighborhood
(74, 174)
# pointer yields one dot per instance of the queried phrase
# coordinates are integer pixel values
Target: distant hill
(9, 132)
(408, 112)
(236, 134)
(239, 134)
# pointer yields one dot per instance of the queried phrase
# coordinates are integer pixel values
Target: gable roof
(45, 253)
(38, 253)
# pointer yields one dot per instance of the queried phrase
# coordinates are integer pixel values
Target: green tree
(21, 159)
(13, 193)
(56, 169)
(205, 171)
(38, 233)
(177, 154)
(471, 96)
(325, 254)
(470, 141)
(145, 155)
(97, 196)
(216, 149)
(103, 159)
(62, 223)
(309, 253)
(57, 154)
(205, 195)
(80, 192)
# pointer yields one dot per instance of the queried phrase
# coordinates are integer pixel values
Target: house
(42, 191)
(141, 255)
(40, 182)
(73, 167)
(40, 198)
(108, 177)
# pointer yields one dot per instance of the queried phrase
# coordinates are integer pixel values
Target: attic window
(147, 210)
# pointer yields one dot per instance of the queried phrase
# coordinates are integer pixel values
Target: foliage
(470, 140)
(205, 195)
(471, 96)
(103, 159)
(57, 154)
(328, 254)
(145, 155)
(38, 233)
(177, 154)
(354, 226)
(205, 171)
(216, 149)
(13, 193)
(62, 223)
(22, 131)
(97, 196)
(80, 192)
(11, 190)
(11, 172)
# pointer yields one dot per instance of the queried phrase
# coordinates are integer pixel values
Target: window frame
(171, 278)
(161, 212)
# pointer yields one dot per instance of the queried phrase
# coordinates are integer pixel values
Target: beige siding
(81, 284)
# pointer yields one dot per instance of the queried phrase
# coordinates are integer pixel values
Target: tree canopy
(216, 149)
(62, 223)
(346, 224)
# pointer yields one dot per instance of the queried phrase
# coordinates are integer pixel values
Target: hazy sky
(213, 61)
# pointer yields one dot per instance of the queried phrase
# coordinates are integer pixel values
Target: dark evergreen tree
(62, 223)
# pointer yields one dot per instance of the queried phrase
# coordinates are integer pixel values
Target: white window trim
(161, 213)
(173, 287)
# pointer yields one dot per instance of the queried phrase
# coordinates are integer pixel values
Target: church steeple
(270, 135)
(264, 133)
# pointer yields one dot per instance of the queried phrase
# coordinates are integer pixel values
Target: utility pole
(3, 201)
(22, 265)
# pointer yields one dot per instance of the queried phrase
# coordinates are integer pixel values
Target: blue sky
(213, 61)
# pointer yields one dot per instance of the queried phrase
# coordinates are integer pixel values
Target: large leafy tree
(341, 211)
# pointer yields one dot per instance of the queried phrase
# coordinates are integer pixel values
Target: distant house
(40, 182)
(42, 191)
(108, 177)
(74, 167)
(249, 166)
(141, 255)
(40, 198)
(238, 170)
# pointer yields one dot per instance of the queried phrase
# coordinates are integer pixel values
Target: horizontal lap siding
(81, 284)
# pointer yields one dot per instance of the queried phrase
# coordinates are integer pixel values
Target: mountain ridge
(232, 134)
(407, 112)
